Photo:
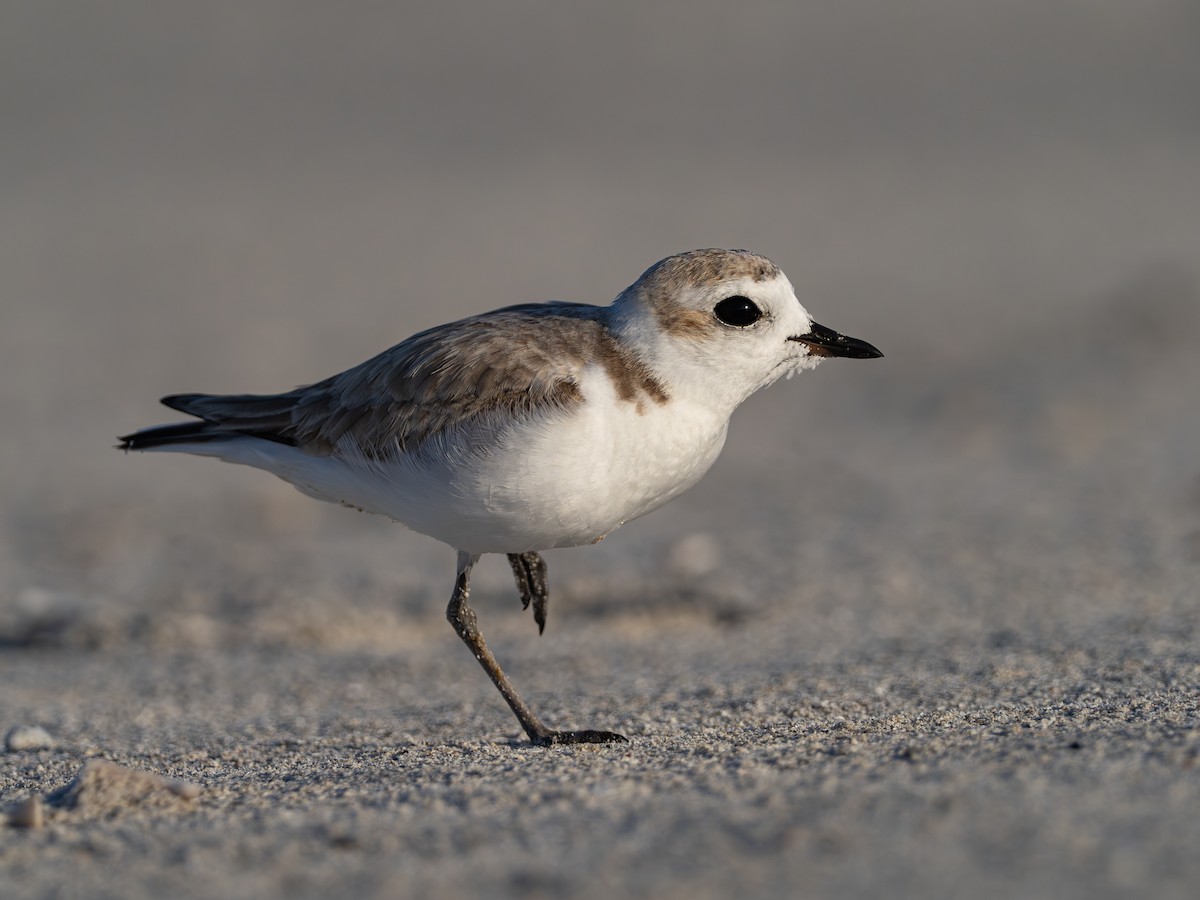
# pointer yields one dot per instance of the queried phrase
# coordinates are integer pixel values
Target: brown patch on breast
(630, 377)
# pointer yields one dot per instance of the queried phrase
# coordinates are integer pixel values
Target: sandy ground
(928, 629)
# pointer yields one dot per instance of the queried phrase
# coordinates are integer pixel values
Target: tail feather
(223, 418)
(165, 435)
(244, 409)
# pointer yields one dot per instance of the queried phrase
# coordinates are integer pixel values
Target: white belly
(559, 481)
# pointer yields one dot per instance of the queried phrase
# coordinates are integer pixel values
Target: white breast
(572, 480)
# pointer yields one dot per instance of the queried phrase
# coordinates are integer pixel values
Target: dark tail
(223, 418)
(164, 435)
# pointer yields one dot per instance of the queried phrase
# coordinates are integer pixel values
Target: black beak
(822, 341)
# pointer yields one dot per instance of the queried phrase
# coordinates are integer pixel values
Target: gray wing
(522, 360)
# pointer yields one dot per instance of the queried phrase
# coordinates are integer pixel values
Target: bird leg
(466, 624)
(530, 571)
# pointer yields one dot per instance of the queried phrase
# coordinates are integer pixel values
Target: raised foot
(556, 738)
(529, 569)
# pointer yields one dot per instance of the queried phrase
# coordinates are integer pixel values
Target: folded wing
(521, 361)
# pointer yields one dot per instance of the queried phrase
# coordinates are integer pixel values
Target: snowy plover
(530, 427)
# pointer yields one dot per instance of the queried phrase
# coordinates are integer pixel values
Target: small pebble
(105, 788)
(185, 790)
(27, 737)
(28, 813)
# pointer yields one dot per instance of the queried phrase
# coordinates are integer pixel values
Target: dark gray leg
(465, 623)
(530, 571)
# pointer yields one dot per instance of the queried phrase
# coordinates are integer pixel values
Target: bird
(531, 427)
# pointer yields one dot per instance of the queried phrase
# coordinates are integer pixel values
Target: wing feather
(521, 361)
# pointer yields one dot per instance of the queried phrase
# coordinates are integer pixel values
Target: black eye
(737, 311)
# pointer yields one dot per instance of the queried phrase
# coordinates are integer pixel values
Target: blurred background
(229, 197)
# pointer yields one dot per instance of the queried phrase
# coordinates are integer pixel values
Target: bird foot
(550, 738)
(529, 570)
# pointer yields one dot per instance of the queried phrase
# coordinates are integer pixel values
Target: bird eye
(737, 311)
